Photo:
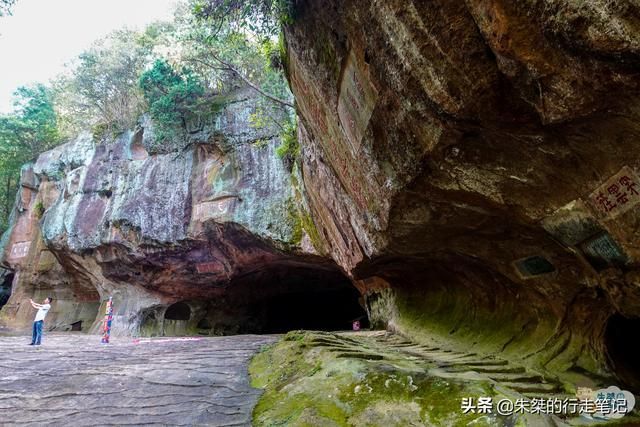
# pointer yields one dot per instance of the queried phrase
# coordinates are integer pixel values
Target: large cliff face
(208, 228)
(474, 166)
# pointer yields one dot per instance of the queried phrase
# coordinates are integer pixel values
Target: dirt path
(75, 380)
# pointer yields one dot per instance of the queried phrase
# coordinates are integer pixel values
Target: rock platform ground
(74, 380)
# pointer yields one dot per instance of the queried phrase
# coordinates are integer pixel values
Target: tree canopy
(173, 97)
(31, 129)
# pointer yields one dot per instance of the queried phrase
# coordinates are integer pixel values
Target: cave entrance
(272, 299)
(286, 298)
(313, 309)
(623, 349)
(178, 311)
(6, 281)
(176, 319)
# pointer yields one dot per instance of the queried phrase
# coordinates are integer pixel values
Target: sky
(42, 35)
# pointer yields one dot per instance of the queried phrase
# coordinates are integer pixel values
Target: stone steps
(476, 362)
(453, 363)
(360, 355)
(501, 369)
(525, 387)
(518, 378)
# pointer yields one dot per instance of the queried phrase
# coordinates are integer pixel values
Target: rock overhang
(468, 156)
(152, 227)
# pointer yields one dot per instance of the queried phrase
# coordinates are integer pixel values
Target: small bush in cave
(289, 149)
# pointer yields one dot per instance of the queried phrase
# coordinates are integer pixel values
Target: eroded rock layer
(189, 240)
(474, 166)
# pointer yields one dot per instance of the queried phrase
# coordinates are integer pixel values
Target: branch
(255, 87)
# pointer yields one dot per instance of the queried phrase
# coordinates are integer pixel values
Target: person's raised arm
(35, 305)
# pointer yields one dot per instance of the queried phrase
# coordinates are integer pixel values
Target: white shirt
(42, 311)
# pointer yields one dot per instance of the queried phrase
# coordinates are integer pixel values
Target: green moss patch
(308, 381)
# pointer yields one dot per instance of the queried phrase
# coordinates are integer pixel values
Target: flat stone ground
(74, 380)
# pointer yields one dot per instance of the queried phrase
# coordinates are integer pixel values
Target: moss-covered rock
(310, 382)
(383, 379)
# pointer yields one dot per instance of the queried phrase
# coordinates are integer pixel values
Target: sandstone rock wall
(97, 219)
(474, 166)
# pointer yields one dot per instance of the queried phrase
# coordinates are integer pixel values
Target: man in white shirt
(43, 309)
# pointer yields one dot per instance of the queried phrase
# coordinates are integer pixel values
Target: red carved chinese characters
(628, 184)
(618, 194)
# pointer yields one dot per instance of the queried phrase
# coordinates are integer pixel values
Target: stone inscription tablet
(213, 209)
(602, 251)
(617, 195)
(533, 266)
(20, 250)
(209, 267)
(356, 101)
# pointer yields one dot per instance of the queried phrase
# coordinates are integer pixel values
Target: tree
(238, 38)
(102, 88)
(244, 39)
(28, 131)
(173, 97)
(262, 17)
(33, 106)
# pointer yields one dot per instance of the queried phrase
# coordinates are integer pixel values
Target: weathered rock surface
(474, 166)
(210, 226)
(382, 379)
(75, 380)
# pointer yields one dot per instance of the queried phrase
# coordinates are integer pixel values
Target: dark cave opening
(289, 297)
(623, 349)
(6, 281)
(178, 311)
(269, 299)
(313, 309)
(276, 299)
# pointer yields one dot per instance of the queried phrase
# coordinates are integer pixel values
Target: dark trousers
(37, 332)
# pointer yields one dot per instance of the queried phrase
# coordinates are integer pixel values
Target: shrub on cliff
(174, 97)
(289, 148)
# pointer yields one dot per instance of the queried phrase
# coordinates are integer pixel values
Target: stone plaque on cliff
(602, 251)
(212, 209)
(209, 267)
(357, 99)
(533, 266)
(20, 250)
(617, 195)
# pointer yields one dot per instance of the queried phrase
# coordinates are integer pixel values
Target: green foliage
(173, 97)
(228, 50)
(39, 209)
(258, 16)
(101, 90)
(289, 149)
(34, 121)
(28, 131)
